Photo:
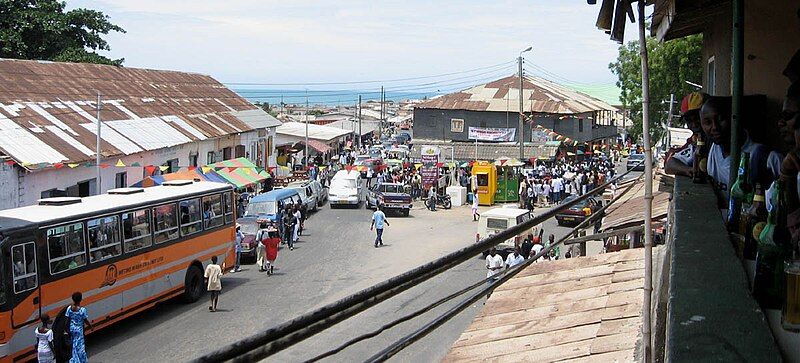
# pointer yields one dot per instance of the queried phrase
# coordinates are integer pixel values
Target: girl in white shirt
(44, 341)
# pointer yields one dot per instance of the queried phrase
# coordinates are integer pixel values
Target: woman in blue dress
(77, 318)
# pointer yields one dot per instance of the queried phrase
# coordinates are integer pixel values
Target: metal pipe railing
(270, 341)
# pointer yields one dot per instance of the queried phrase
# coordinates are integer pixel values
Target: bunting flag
(349, 168)
(73, 165)
(136, 164)
(10, 162)
(417, 166)
(103, 166)
(321, 168)
(439, 164)
(58, 165)
(120, 164)
(503, 162)
(192, 168)
(206, 169)
(26, 164)
(163, 168)
(88, 165)
(150, 169)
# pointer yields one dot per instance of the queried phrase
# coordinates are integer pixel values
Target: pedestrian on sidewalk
(432, 198)
(237, 247)
(378, 220)
(298, 221)
(494, 263)
(78, 318)
(261, 236)
(475, 215)
(213, 277)
(45, 351)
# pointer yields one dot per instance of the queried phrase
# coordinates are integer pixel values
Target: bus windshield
(260, 208)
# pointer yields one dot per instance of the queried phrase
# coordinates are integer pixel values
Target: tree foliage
(41, 29)
(671, 64)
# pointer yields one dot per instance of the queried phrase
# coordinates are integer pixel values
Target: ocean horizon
(325, 97)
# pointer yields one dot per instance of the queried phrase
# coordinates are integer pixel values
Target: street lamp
(521, 128)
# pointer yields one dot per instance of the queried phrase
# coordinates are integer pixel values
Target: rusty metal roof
(539, 96)
(585, 309)
(48, 110)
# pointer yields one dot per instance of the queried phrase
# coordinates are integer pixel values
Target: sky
(302, 41)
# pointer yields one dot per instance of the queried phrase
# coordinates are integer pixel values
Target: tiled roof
(48, 110)
(585, 309)
(539, 96)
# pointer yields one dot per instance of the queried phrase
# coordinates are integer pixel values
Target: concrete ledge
(711, 314)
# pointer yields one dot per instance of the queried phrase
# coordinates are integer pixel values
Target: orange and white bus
(125, 251)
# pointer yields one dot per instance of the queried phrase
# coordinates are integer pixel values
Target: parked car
(310, 191)
(249, 227)
(390, 196)
(346, 189)
(634, 159)
(577, 213)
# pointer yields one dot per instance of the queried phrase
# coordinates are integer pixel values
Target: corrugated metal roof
(48, 110)
(539, 96)
(317, 132)
(585, 309)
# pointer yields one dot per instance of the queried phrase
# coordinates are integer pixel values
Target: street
(333, 259)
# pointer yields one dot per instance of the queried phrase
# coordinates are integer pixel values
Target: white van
(346, 188)
(497, 220)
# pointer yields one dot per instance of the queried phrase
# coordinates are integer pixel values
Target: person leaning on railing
(679, 161)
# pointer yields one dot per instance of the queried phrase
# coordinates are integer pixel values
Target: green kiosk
(507, 180)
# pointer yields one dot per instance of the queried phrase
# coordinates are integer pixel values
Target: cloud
(307, 41)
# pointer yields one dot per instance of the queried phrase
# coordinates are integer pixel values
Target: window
(483, 179)
(66, 247)
(104, 239)
(580, 125)
(711, 77)
(456, 125)
(23, 260)
(227, 205)
(210, 158)
(212, 211)
(166, 223)
(136, 230)
(172, 166)
(193, 159)
(190, 216)
(240, 151)
(226, 153)
(121, 180)
(496, 223)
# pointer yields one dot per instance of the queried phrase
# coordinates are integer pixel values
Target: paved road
(334, 259)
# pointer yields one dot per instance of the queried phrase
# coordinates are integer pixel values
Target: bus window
(136, 230)
(212, 211)
(104, 240)
(67, 248)
(23, 259)
(166, 222)
(190, 216)
(227, 205)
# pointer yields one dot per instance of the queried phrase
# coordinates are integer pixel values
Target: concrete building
(48, 126)
(495, 105)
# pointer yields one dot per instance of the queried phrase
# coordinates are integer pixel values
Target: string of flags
(150, 169)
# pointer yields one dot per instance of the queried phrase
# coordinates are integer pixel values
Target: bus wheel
(193, 284)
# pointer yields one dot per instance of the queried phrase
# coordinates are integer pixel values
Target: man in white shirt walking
(494, 263)
(514, 259)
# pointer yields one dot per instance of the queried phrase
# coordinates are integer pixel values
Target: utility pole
(359, 121)
(648, 192)
(521, 129)
(97, 151)
(306, 151)
(667, 134)
(382, 111)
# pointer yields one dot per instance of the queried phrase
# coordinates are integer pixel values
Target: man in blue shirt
(378, 220)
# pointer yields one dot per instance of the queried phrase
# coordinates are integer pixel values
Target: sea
(325, 97)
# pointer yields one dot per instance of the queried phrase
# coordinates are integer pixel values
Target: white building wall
(33, 183)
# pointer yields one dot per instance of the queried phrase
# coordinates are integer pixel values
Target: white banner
(490, 134)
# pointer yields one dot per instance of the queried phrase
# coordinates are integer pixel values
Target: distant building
(495, 106)
(48, 125)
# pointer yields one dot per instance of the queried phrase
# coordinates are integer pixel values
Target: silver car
(311, 192)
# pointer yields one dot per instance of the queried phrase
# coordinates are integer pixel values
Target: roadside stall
(486, 175)
(507, 181)
(241, 173)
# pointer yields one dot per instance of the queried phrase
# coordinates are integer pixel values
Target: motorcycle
(441, 201)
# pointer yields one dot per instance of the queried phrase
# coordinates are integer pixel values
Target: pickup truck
(390, 196)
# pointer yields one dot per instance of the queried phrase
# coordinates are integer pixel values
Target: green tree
(41, 29)
(671, 64)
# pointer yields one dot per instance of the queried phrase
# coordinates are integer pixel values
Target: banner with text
(429, 156)
(492, 134)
